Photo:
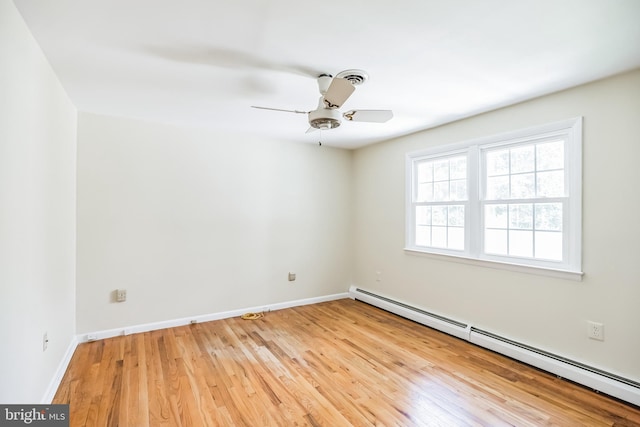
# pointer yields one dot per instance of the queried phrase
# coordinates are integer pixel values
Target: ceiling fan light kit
(324, 118)
(334, 91)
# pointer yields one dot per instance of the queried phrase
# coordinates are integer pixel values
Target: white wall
(537, 310)
(37, 215)
(193, 222)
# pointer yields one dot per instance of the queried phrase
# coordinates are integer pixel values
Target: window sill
(542, 271)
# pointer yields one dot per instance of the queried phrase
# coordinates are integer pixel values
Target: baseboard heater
(597, 379)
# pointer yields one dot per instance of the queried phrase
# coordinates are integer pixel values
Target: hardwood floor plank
(338, 363)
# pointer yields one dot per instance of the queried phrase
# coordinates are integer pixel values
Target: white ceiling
(204, 62)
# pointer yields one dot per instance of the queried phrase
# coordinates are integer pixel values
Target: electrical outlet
(121, 295)
(595, 331)
(45, 341)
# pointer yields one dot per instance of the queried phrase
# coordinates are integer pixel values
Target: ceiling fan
(334, 91)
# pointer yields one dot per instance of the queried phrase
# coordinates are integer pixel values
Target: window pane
(441, 191)
(439, 237)
(523, 159)
(456, 238)
(456, 216)
(425, 171)
(439, 215)
(423, 215)
(521, 243)
(549, 245)
(495, 216)
(425, 192)
(550, 184)
(495, 242)
(549, 216)
(458, 168)
(498, 188)
(522, 186)
(441, 170)
(497, 162)
(521, 216)
(423, 234)
(550, 155)
(459, 189)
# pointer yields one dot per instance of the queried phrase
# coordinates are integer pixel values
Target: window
(441, 202)
(513, 199)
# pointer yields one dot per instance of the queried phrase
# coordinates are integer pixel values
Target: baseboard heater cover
(597, 379)
(441, 323)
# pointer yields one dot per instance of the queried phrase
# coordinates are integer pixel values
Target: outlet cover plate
(595, 331)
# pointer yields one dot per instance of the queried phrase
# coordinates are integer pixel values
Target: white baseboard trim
(59, 373)
(128, 330)
(597, 379)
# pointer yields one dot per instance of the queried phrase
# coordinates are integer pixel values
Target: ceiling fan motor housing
(324, 118)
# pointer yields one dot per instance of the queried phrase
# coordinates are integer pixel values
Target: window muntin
(513, 198)
(525, 171)
(441, 179)
(525, 195)
(440, 226)
(529, 230)
(440, 183)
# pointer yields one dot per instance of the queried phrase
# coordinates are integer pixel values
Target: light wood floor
(338, 363)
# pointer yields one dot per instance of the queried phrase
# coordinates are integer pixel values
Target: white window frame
(441, 156)
(570, 267)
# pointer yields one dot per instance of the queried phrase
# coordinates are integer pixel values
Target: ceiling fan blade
(227, 58)
(338, 92)
(280, 109)
(373, 116)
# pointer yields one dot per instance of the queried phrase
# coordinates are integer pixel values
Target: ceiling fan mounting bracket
(355, 77)
(324, 81)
